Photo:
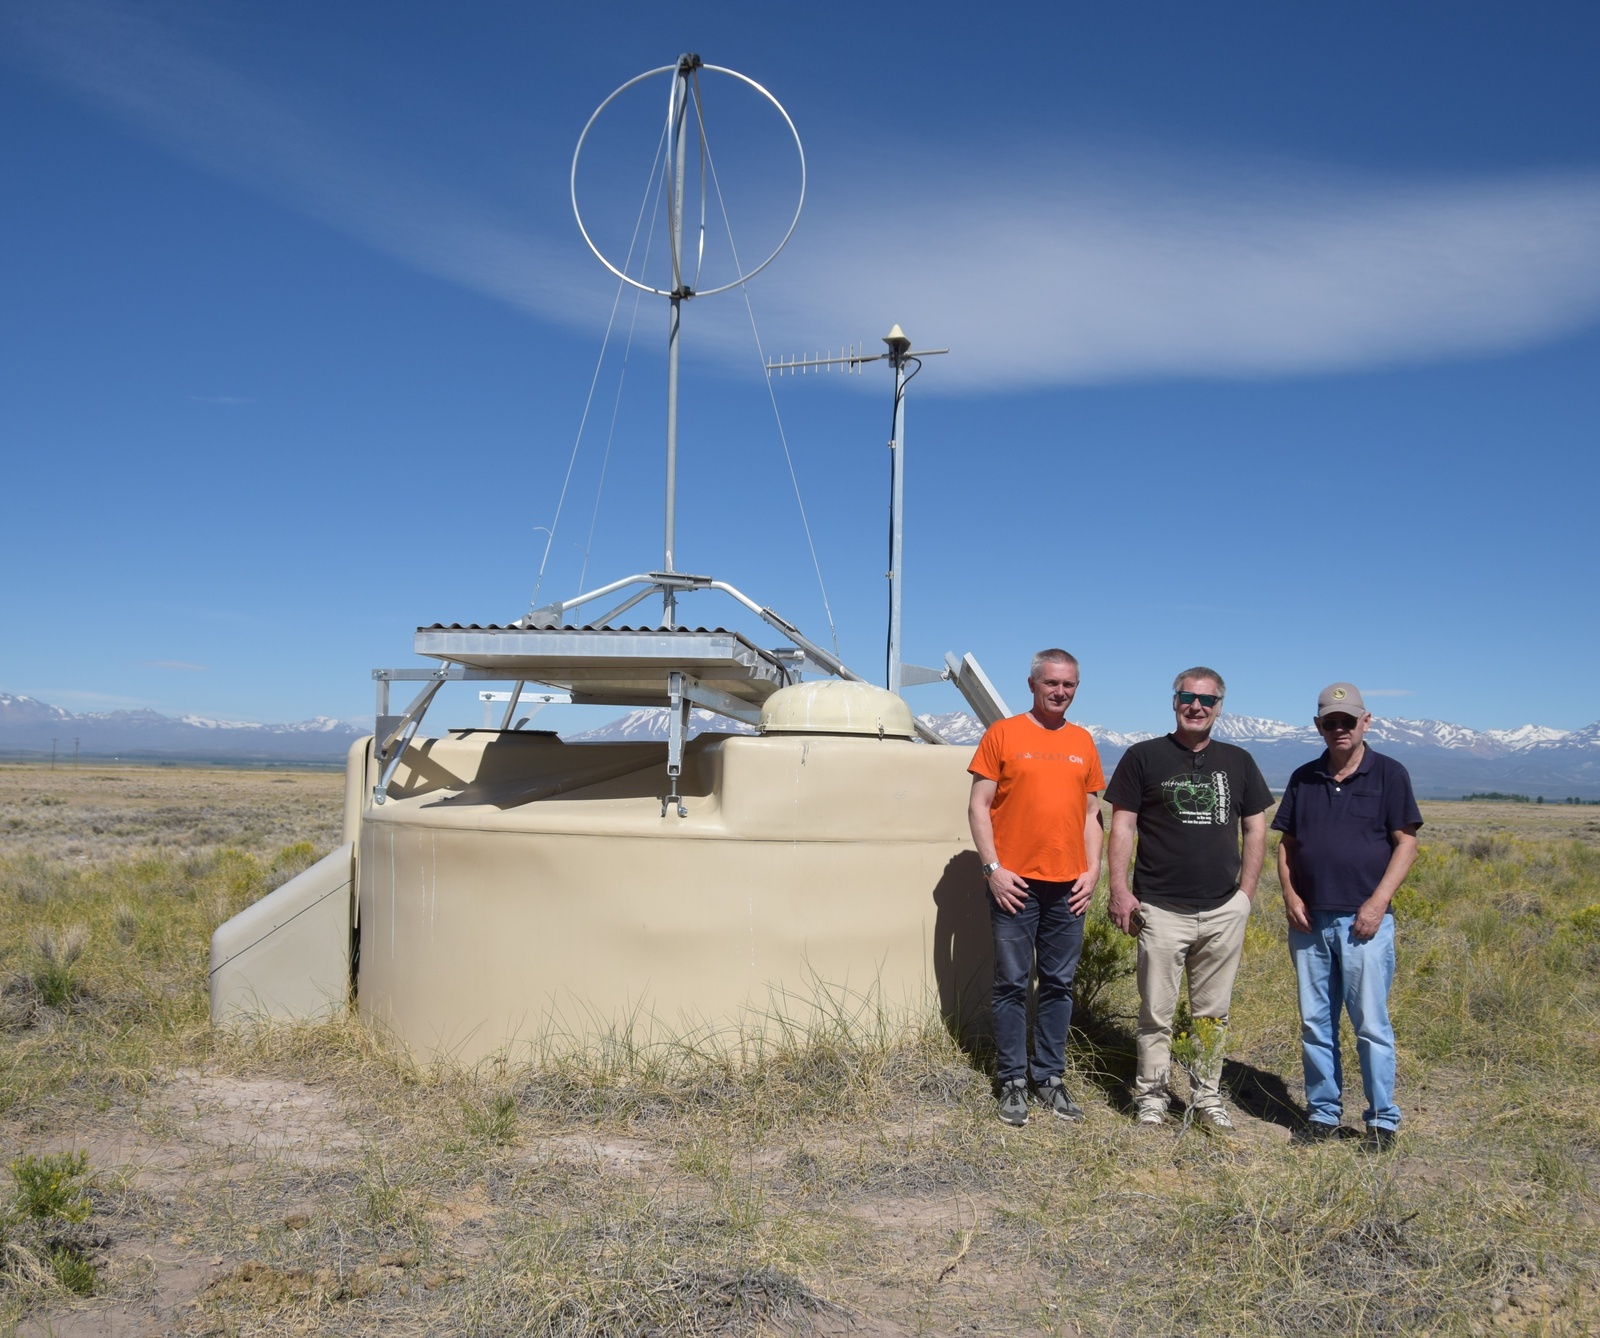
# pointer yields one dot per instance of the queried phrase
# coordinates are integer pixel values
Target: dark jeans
(1044, 929)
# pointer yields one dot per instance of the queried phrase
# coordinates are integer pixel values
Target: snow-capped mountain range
(959, 727)
(1444, 759)
(28, 726)
(649, 722)
(1401, 733)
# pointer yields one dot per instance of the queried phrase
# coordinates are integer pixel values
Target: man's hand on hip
(1123, 905)
(1008, 890)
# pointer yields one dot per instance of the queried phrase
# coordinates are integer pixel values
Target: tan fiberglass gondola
(501, 890)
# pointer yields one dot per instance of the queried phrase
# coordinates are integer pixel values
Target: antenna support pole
(899, 347)
(677, 123)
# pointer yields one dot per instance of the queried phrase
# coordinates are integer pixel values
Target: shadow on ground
(1106, 1054)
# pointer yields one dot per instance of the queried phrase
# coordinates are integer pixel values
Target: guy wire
(550, 534)
(616, 403)
(783, 438)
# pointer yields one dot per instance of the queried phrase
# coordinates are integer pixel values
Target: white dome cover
(835, 706)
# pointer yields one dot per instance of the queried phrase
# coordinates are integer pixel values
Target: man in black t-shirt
(1187, 796)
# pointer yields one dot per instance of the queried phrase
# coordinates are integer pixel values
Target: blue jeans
(1047, 931)
(1335, 968)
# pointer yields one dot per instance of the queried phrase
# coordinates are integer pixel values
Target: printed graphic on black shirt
(1198, 799)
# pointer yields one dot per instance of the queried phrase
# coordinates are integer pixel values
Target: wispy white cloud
(1054, 268)
(1389, 692)
(162, 86)
(176, 664)
(1112, 268)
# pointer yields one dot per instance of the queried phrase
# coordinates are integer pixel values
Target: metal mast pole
(899, 345)
(677, 114)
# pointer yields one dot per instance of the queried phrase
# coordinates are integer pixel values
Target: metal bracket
(677, 728)
(536, 702)
(973, 684)
(714, 699)
(453, 673)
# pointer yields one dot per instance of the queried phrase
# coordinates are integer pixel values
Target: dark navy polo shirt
(1343, 827)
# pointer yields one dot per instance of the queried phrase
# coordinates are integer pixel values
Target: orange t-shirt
(1044, 778)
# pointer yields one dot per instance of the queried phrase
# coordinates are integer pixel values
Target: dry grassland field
(161, 1178)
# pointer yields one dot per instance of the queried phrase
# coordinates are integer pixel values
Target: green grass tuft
(52, 1186)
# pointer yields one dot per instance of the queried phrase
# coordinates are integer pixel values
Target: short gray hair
(1054, 655)
(1200, 671)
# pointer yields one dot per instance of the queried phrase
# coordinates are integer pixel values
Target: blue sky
(1274, 336)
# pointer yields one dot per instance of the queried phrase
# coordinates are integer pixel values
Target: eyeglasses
(1206, 699)
(1329, 723)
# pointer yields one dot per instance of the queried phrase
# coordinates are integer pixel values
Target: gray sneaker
(1151, 1116)
(1215, 1118)
(1014, 1101)
(1053, 1096)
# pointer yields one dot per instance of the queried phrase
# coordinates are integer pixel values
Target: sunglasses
(1206, 699)
(1329, 722)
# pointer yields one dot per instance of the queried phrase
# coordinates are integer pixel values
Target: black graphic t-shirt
(1189, 806)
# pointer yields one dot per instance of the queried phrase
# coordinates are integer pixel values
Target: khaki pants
(1206, 943)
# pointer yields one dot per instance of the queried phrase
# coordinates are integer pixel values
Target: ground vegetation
(160, 1177)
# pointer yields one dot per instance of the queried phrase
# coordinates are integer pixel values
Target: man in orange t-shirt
(1038, 834)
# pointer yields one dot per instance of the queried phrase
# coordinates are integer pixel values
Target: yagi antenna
(850, 360)
(898, 355)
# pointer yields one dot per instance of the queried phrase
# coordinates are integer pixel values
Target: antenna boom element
(850, 362)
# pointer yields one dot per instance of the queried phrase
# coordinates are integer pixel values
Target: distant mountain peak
(17, 711)
(1256, 729)
(647, 723)
(1527, 736)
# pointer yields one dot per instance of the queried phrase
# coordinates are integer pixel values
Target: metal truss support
(511, 705)
(384, 724)
(393, 745)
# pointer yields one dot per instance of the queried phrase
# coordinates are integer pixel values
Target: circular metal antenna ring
(743, 278)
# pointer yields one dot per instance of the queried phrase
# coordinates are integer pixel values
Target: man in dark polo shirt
(1188, 797)
(1349, 824)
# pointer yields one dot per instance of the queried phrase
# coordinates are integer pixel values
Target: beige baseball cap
(1341, 699)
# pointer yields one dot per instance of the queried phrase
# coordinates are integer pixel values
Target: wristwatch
(990, 868)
